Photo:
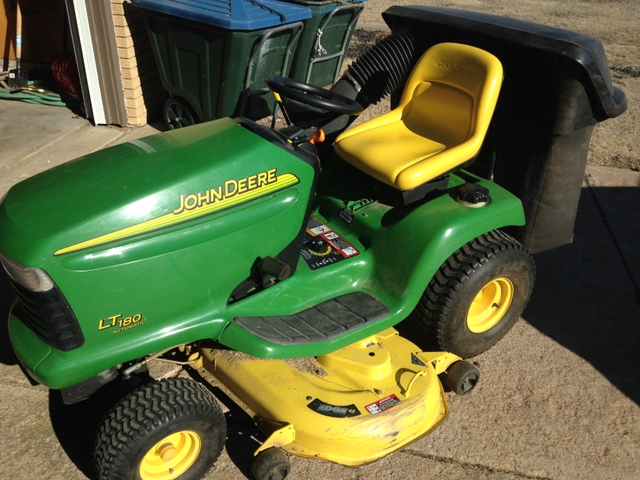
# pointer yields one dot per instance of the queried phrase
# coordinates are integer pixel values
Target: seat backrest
(440, 112)
(451, 93)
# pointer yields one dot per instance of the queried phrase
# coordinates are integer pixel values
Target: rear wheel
(161, 431)
(475, 297)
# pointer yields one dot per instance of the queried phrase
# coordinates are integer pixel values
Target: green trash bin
(325, 40)
(213, 57)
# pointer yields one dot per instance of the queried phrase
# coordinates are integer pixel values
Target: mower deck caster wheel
(462, 377)
(271, 464)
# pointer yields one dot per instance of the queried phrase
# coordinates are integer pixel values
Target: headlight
(33, 279)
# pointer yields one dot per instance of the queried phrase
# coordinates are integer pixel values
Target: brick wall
(143, 92)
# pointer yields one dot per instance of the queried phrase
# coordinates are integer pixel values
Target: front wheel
(475, 297)
(161, 431)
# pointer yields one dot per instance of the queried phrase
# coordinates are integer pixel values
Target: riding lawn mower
(275, 263)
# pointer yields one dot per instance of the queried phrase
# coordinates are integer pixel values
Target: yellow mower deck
(360, 404)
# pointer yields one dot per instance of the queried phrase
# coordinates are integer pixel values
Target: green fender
(400, 251)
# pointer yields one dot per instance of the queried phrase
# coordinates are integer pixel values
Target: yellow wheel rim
(171, 457)
(489, 305)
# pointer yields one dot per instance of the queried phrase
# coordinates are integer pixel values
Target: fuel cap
(472, 195)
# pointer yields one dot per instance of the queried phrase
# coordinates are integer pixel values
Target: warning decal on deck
(383, 404)
(323, 246)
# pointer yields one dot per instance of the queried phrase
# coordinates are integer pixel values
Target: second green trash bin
(324, 40)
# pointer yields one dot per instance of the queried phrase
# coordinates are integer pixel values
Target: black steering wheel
(314, 96)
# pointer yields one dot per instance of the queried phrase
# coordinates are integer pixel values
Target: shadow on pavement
(243, 437)
(7, 297)
(585, 297)
(75, 427)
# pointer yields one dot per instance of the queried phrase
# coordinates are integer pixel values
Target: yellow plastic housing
(440, 123)
(374, 397)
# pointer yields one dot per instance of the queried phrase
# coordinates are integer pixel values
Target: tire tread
(428, 318)
(143, 410)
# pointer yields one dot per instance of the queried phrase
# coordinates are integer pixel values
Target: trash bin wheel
(271, 464)
(314, 96)
(177, 114)
(462, 377)
(475, 297)
(164, 429)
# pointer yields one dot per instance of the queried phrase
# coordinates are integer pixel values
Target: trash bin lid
(231, 14)
(324, 2)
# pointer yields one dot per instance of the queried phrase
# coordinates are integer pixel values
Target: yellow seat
(439, 125)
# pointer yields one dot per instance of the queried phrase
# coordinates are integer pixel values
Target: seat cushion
(385, 151)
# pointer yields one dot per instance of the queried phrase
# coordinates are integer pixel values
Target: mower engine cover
(182, 216)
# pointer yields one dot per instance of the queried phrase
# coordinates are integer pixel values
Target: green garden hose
(37, 95)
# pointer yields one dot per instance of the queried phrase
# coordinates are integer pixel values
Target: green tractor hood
(134, 189)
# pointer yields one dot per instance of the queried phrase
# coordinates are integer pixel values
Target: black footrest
(324, 321)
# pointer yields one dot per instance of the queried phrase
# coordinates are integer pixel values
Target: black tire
(462, 377)
(177, 114)
(448, 318)
(173, 427)
(271, 464)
